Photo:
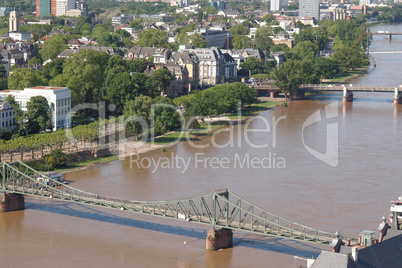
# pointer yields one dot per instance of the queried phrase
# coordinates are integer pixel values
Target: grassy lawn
(255, 109)
(206, 128)
(347, 75)
(89, 162)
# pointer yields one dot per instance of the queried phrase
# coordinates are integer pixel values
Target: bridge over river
(219, 209)
(346, 88)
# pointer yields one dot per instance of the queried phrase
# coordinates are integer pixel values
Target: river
(348, 193)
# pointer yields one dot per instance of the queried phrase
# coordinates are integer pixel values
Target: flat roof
(46, 87)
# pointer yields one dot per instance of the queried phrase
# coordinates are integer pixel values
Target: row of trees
(95, 76)
(39, 143)
(217, 100)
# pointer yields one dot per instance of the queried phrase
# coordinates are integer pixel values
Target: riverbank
(170, 139)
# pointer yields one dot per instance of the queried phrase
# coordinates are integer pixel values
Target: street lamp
(25, 121)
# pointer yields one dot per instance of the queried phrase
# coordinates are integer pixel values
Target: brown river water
(348, 191)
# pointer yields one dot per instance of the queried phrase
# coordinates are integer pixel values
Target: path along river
(350, 197)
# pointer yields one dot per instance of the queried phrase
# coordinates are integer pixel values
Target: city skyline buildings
(309, 8)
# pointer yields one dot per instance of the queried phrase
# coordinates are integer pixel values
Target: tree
(23, 78)
(3, 77)
(241, 42)
(38, 114)
(138, 65)
(54, 46)
(305, 50)
(53, 68)
(239, 29)
(120, 90)
(288, 77)
(19, 113)
(327, 67)
(263, 41)
(153, 38)
(139, 110)
(198, 40)
(252, 65)
(159, 82)
(83, 74)
(165, 115)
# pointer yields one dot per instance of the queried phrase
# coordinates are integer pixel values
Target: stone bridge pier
(11, 202)
(347, 95)
(397, 96)
(218, 239)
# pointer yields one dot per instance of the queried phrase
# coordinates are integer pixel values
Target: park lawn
(255, 109)
(88, 162)
(206, 128)
(345, 76)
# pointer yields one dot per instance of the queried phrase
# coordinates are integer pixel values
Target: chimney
(383, 228)
(355, 254)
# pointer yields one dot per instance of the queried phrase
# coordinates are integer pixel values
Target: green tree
(305, 50)
(83, 74)
(23, 78)
(139, 113)
(288, 76)
(3, 77)
(152, 37)
(164, 114)
(241, 42)
(239, 29)
(159, 82)
(253, 66)
(263, 41)
(54, 46)
(38, 114)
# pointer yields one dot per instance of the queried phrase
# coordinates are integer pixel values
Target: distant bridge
(390, 34)
(217, 209)
(349, 88)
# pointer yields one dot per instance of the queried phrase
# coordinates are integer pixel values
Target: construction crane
(359, 38)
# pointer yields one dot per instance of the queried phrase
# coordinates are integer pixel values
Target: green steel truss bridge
(217, 209)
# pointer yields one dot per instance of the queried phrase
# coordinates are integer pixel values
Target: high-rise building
(83, 7)
(63, 6)
(277, 5)
(309, 8)
(14, 21)
(45, 7)
(365, 2)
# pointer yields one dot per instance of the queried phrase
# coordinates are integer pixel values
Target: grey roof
(387, 254)
(333, 260)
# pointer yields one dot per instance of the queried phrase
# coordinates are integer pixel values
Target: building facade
(45, 7)
(62, 6)
(59, 99)
(213, 65)
(309, 8)
(7, 116)
(277, 5)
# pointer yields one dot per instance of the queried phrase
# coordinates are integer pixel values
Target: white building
(20, 36)
(277, 5)
(7, 116)
(62, 6)
(59, 99)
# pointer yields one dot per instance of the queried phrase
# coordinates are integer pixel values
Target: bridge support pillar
(218, 239)
(397, 97)
(274, 94)
(11, 202)
(347, 95)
